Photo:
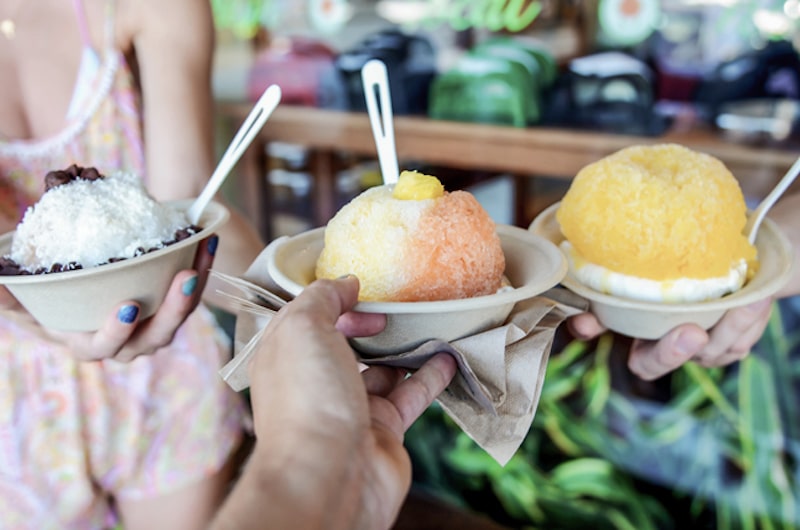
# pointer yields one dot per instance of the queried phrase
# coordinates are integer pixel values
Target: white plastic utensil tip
(375, 79)
(262, 110)
(754, 221)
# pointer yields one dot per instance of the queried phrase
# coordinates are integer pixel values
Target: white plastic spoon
(241, 141)
(374, 75)
(754, 221)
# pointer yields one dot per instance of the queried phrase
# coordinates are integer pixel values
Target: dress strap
(83, 26)
(95, 65)
(108, 26)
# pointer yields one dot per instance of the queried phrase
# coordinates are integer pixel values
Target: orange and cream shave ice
(413, 241)
(658, 223)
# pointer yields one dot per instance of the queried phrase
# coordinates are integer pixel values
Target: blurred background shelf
(524, 154)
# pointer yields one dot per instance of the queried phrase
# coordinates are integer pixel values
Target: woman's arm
(786, 213)
(174, 42)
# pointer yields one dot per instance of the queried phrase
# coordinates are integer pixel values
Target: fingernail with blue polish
(189, 286)
(213, 241)
(128, 314)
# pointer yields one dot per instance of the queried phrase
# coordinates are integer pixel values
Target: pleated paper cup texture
(652, 320)
(83, 299)
(533, 265)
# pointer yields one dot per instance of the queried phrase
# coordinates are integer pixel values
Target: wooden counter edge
(534, 151)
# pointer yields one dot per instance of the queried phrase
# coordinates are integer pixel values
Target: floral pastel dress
(73, 434)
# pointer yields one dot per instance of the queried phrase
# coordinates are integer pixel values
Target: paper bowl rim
(545, 278)
(215, 212)
(746, 295)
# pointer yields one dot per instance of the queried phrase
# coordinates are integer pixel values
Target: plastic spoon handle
(241, 141)
(754, 221)
(374, 75)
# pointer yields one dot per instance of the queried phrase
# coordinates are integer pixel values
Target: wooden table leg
(264, 190)
(255, 193)
(247, 189)
(322, 169)
(520, 191)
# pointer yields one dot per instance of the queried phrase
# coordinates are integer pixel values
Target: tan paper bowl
(533, 265)
(649, 320)
(81, 300)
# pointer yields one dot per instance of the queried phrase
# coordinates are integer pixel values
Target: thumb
(7, 300)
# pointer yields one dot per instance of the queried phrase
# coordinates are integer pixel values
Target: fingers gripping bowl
(94, 242)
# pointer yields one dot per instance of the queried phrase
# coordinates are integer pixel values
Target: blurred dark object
(305, 71)
(609, 91)
(677, 53)
(760, 121)
(772, 72)
(426, 511)
(676, 85)
(501, 80)
(410, 61)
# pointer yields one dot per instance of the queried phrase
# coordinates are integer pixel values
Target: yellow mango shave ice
(659, 223)
(413, 241)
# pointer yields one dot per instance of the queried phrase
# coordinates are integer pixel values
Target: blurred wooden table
(523, 153)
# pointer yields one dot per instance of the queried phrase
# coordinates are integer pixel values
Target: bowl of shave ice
(433, 261)
(93, 241)
(654, 238)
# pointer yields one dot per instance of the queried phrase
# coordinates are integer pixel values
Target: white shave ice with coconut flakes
(85, 219)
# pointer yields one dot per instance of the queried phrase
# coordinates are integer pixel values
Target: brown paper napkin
(494, 395)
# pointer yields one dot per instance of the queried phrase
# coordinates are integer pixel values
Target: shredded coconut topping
(93, 221)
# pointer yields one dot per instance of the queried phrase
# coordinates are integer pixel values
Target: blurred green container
(501, 80)
(483, 90)
(528, 84)
(548, 68)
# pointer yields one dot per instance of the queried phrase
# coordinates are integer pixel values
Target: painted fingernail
(128, 314)
(189, 286)
(345, 277)
(213, 241)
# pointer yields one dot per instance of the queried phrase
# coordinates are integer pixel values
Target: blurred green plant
(243, 18)
(702, 448)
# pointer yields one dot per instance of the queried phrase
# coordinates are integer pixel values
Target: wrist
(285, 486)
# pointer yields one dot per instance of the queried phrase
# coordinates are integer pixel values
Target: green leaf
(776, 349)
(518, 494)
(560, 385)
(554, 428)
(591, 477)
(597, 382)
(709, 387)
(470, 460)
(571, 353)
(766, 487)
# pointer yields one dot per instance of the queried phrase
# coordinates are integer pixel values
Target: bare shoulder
(182, 22)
